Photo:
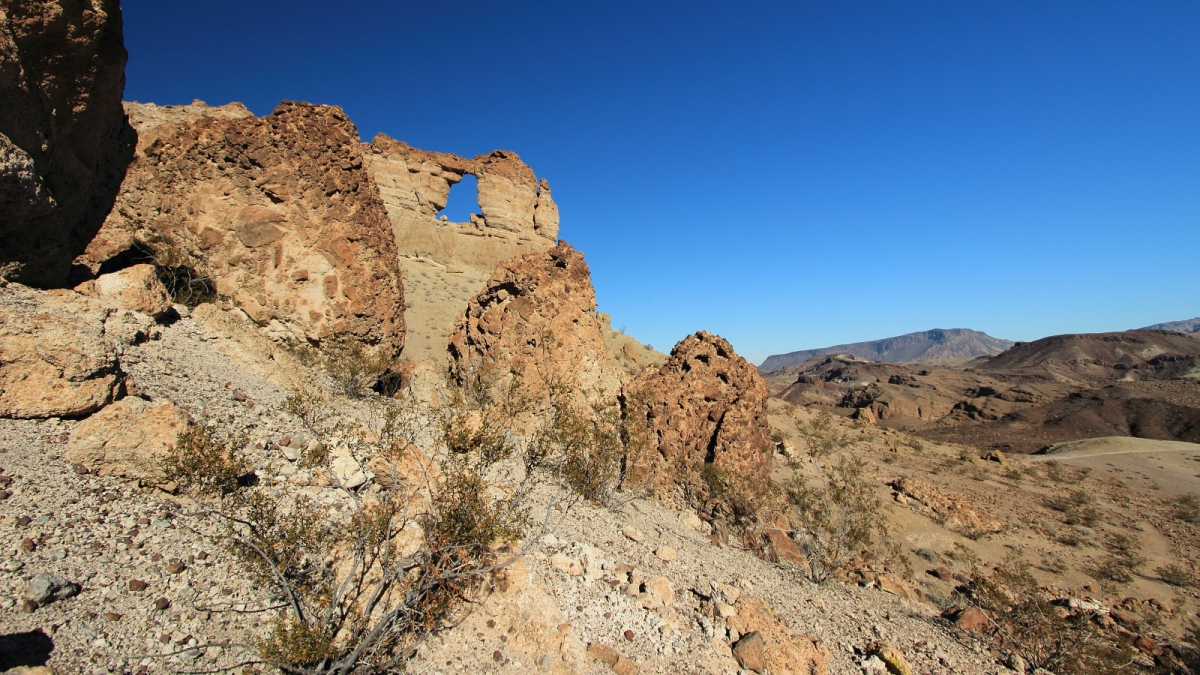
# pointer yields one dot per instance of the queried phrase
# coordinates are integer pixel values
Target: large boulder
(278, 212)
(706, 408)
(64, 139)
(136, 289)
(56, 358)
(537, 317)
(517, 215)
(129, 438)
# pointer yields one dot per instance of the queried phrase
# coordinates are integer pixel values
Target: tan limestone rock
(892, 658)
(278, 211)
(128, 439)
(55, 358)
(660, 587)
(751, 652)
(64, 140)
(786, 653)
(952, 512)
(707, 407)
(537, 317)
(517, 215)
(135, 288)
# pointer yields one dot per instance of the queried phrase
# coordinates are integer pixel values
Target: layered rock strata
(706, 412)
(537, 316)
(517, 215)
(278, 212)
(64, 139)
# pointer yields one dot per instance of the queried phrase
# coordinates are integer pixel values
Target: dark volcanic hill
(1191, 326)
(930, 345)
(1065, 387)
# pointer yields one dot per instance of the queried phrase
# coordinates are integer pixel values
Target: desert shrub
(1186, 508)
(1121, 562)
(357, 590)
(206, 462)
(186, 283)
(1027, 622)
(837, 518)
(1076, 508)
(1176, 575)
(1054, 471)
(820, 435)
(355, 368)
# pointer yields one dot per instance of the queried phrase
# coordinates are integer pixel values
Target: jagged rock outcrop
(517, 215)
(55, 357)
(537, 316)
(706, 407)
(64, 140)
(278, 211)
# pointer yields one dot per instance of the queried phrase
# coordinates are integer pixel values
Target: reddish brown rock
(278, 211)
(707, 408)
(517, 215)
(537, 317)
(971, 619)
(64, 140)
(777, 649)
(952, 512)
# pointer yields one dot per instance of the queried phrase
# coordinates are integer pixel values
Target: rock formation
(55, 359)
(537, 316)
(129, 438)
(64, 140)
(517, 214)
(279, 212)
(136, 289)
(706, 407)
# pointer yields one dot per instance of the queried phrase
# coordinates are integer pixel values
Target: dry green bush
(1122, 561)
(1176, 575)
(1186, 508)
(836, 519)
(821, 436)
(355, 368)
(1026, 621)
(356, 590)
(1076, 508)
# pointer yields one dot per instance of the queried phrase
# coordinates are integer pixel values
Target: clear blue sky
(788, 175)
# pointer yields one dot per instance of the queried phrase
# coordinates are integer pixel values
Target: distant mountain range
(1185, 326)
(929, 345)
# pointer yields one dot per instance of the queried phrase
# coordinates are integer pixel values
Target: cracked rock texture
(517, 215)
(64, 139)
(55, 359)
(278, 211)
(706, 407)
(537, 316)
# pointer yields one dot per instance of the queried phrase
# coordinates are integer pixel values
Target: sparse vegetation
(820, 435)
(1045, 636)
(1122, 561)
(1186, 509)
(1176, 575)
(1076, 508)
(358, 590)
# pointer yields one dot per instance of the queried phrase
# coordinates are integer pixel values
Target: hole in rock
(462, 201)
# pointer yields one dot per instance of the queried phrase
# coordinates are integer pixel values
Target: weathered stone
(54, 357)
(517, 217)
(952, 512)
(633, 534)
(666, 553)
(971, 619)
(278, 211)
(135, 288)
(46, 588)
(128, 439)
(899, 587)
(782, 549)
(64, 140)
(537, 317)
(661, 588)
(786, 653)
(750, 652)
(892, 658)
(707, 408)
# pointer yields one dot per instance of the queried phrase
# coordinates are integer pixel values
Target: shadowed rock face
(537, 316)
(517, 214)
(64, 140)
(705, 406)
(278, 211)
